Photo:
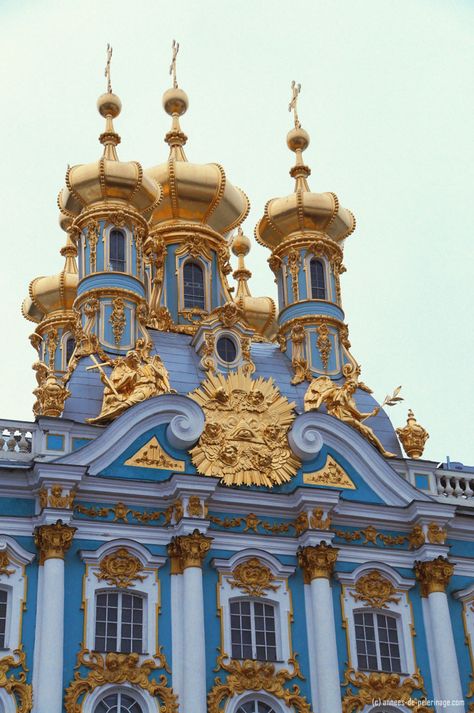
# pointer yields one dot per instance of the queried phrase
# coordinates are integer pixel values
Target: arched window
(119, 622)
(253, 633)
(255, 707)
(70, 344)
(193, 285)
(377, 642)
(318, 283)
(3, 617)
(118, 703)
(117, 250)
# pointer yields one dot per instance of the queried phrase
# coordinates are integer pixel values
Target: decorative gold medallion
(254, 578)
(121, 569)
(245, 440)
(375, 590)
(152, 455)
(383, 687)
(331, 475)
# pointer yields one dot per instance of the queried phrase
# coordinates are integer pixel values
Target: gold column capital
(53, 541)
(434, 575)
(317, 561)
(188, 551)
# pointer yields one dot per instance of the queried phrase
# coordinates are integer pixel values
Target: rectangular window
(3, 617)
(119, 622)
(253, 632)
(377, 642)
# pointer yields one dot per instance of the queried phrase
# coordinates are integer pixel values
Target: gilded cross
(293, 105)
(175, 50)
(107, 68)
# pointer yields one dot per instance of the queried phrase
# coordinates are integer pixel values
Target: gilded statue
(340, 403)
(50, 393)
(136, 377)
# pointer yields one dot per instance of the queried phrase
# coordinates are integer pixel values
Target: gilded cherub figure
(340, 403)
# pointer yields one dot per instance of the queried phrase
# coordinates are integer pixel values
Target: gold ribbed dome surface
(195, 193)
(303, 211)
(108, 180)
(55, 293)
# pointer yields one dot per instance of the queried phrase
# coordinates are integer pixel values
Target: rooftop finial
(107, 68)
(293, 105)
(175, 50)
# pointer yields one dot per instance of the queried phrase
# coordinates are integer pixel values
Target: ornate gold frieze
(413, 437)
(53, 541)
(5, 564)
(433, 576)
(118, 319)
(121, 569)
(298, 360)
(254, 578)
(248, 675)
(244, 441)
(383, 687)
(436, 534)
(323, 343)
(191, 549)
(134, 378)
(253, 523)
(340, 403)
(54, 498)
(330, 475)
(15, 684)
(115, 669)
(375, 590)
(50, 393)
(371, 536)
(317, 561)
(152, 455)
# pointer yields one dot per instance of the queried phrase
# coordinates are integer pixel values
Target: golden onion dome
(108, 180)
(303, 211)
(259, 312)
(193, 193)
(55, 293)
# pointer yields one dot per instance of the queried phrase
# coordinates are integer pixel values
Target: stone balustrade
(455, 486)
(17, 439)
(45, 439)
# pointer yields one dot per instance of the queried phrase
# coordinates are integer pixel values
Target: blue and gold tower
(305, 232)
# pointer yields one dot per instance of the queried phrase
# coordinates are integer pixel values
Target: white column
(39, 618)
(434, 577)
(193, 548)
(446, 662)
(177, 624)
(52, 541)
(318, 563)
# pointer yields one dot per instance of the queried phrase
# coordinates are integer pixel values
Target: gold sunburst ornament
(244, 441)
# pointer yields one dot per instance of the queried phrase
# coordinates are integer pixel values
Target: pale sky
(387, 98)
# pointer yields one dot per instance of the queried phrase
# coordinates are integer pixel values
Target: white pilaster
(50, 678)
(194, 670)
(39, 619)
(177, 634)
(444, 654)
(328, 688)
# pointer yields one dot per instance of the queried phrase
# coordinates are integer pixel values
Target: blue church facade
(211, 513)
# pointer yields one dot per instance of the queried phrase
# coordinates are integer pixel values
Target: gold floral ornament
(121, 569)
(50, 392)
(375, 590)
(115, 668)
(5, 564)
(254, 578)
(383, 687)
(436, 534)
(317, 562)
(15, 685)
(134, 378)
(413, 437)
(255, 676)
(244, 441)
(340, 403)
(54, 498)
(433, 576)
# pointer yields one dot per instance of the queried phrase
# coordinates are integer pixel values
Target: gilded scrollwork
(248, 675)
(5, 564)
(384, 687)
(244, 441)
(302, 372)
(375, 590)
(51, 393)
(254, 578)
(15, 684)
(118, 319)
(323, 343)
(113, 668)
(120, 569)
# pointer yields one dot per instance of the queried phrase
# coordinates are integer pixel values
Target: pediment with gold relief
(152, 455)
